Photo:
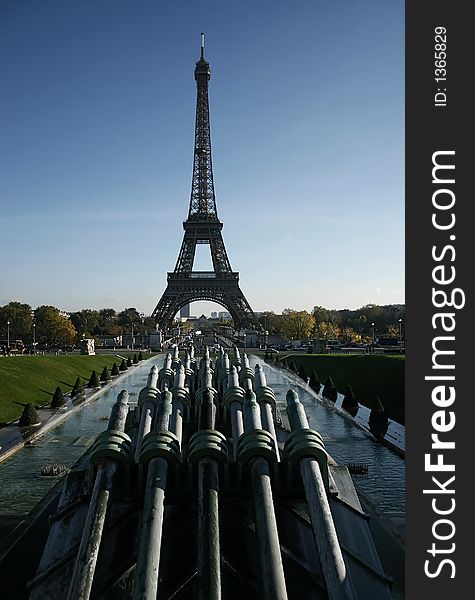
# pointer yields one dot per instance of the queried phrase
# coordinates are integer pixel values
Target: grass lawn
(369, 376)
(25, 379)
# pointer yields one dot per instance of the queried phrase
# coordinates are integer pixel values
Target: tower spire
(202, 46)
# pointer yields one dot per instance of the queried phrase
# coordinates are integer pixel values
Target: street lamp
(245, 337)
(34, 338)
(132, 336)
(400, 336)
(266, 334)
(372, 325)
(8, 335)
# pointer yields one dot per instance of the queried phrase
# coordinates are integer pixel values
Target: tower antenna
(202, 45)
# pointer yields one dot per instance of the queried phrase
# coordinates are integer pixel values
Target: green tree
(105, 375)
(78, 388)
(93, 381)
(127, 318)
(58, 398)
(20, 317)
(115, 370)
(86, 322)
(29, 416)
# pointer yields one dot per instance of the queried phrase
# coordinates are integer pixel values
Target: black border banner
(440, 513)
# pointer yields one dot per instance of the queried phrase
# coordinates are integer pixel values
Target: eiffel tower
(202, 227)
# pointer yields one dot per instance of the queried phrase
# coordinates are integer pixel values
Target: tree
(115, 370)
(54, 328)
(348, 335)
(20, 317)
(297, 324)
(105, 375)
(328, 331)
(393, 330)
(78, 388)
(58, 398)
(29, 416)
(93, 381)
(127, 318)
(86, 322)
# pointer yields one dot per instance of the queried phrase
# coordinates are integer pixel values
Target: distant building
(224, 315)
(185, 311)
(214, 315)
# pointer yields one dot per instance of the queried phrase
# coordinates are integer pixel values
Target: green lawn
(33, 379)
(369, 376)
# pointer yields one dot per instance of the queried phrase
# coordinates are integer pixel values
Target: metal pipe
(148, 555)
(233, 394)
(272, 569)
(209, 559)
(145, 426)
(150, 544)
(337, 579)
(237, 423)
(152, 378)
(266, 399)
(209, 567)
(164, 412)
(267, 535)
(252, 413)
(84, 568)
(148, 398)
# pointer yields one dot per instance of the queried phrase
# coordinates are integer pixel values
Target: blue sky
(96, 148)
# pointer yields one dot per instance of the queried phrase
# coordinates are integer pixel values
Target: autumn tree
(297, 324)
(53, 328)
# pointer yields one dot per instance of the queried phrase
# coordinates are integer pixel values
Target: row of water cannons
(179, 419)
(378, 420)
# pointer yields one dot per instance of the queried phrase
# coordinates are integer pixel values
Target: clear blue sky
(97, 108)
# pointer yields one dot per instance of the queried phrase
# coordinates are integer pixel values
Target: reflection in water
(22, 485)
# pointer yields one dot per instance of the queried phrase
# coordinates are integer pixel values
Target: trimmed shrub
(350, 403)
(115, 370)
(58, 398)
(123, 366)
(314, 382)
(105, 375)
(301, 372)
(140, 357)
(377, 414)
(78, 388)
(135, 359)
(329, 390)
(93, 381)
(378, 420)
(129, 362)
(29, 416)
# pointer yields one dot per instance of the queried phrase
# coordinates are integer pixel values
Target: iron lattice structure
(202, 227)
